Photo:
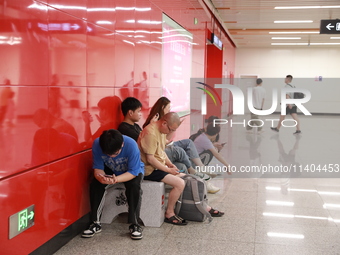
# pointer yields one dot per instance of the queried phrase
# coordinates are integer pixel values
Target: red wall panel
(59, 192)
(214, 75)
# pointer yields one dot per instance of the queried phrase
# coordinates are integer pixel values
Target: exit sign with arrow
(21, 221)
(330, 26)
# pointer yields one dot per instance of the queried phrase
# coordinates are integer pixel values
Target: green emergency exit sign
(21, 221)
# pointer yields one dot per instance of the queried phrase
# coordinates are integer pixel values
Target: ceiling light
(329, 193)
(335, 37)
(303, 190)
(175, 35)
(293, 21)
(324, 43)
(286, 38)
(153, 22)
(331, 205)
(296, 32)
(311, 217)
(289, 44)
(133, 9)
(129, 42)
(58, 6)
(102, 22)
(138, 31)
(152, 42)
(285, 235)
(282, 203)
(280, 215)
(306, 7)
(306, 190)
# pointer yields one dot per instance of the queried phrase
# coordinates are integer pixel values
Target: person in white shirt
(290, 109)
(259, 94)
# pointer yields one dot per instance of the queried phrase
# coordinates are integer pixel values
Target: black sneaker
(93, 229)
(136, 232)
(297, 132)
(274, 129)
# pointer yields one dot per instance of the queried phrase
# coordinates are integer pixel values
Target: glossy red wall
(59, 59)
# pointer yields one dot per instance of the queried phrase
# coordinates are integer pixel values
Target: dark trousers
(133, 194)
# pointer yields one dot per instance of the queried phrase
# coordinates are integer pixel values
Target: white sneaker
(203, 176)
(211, 188)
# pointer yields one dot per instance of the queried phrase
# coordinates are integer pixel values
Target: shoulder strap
(179, 201)
(199, 204)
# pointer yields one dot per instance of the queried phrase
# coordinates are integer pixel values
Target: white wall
(305, 64)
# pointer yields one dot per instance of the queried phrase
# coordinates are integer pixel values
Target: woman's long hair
(158, 107)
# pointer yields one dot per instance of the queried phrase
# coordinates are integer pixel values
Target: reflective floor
(291, 205)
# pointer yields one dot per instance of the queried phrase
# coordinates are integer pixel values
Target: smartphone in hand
(106, 175)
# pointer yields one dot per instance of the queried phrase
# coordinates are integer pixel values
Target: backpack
(297, 95)
(192, 204)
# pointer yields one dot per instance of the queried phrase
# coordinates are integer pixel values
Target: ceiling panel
(250, 22)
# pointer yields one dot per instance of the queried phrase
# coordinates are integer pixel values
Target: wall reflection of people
(6, 97)
(109, 117)
(44, 119)
(141, 91)
(49, 145)
(127, 89)
(55, 139)
(54, 97)
(74, 99)
(254, 154)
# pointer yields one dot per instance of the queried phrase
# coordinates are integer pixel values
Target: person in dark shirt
(131, 108)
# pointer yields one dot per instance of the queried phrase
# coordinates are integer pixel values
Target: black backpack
(297, 95)
(192, 204)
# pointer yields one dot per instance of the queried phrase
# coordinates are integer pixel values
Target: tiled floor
(266, 213)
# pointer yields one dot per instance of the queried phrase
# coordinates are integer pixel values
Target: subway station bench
(152, 207)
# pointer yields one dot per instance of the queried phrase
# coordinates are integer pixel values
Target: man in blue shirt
(116, 158)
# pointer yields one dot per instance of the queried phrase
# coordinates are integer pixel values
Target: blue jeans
(178, 157)
(188, 146)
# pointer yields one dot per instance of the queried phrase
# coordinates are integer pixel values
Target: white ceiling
(250, 21)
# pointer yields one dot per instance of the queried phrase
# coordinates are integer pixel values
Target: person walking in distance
(259, 94)
(290, 109)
